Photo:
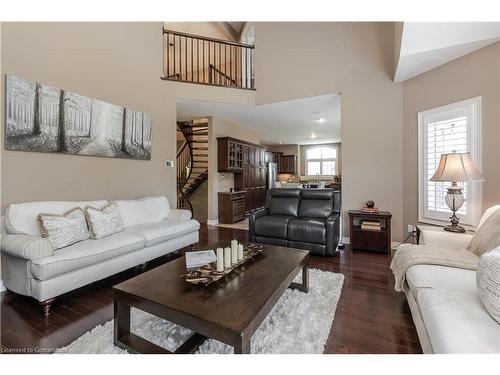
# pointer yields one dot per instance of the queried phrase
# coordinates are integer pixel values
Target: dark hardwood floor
(370, 318)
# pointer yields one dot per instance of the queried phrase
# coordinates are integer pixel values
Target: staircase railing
(221, 77)
(184, 168)
(195, 59)
(184, 161)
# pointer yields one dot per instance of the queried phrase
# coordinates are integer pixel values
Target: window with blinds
(447, 129)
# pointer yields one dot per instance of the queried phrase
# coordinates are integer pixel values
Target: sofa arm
(332, 234)
(26, 247)
(179, 215)
(251, 222)
(447, 240)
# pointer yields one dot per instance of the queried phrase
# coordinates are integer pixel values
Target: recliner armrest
(332, 233)
(179, 215)
(26, 247)
(259, 213)
(251, 222)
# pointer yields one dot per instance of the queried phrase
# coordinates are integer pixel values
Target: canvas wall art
(46, 119)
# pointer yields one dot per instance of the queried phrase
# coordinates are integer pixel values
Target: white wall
(475, 74)
(116, 62)
(297, 60)
(121, 63)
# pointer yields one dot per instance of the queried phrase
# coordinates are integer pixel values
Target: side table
(366, 239)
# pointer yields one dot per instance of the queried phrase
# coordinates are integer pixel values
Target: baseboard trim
(2, 287)
(213, 222)
(346, 241)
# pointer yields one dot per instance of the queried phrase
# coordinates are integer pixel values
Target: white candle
(220, 259)
(240, 252)
(227, 257)
(234, 252)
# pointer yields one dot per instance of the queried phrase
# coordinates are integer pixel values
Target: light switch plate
(169, 163)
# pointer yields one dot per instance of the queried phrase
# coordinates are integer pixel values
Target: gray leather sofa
(31, 267)
(300, 218)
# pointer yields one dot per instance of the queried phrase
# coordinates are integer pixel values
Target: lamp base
(454, 228)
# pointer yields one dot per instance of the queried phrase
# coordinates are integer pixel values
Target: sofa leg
(192, 246)
(46, 305)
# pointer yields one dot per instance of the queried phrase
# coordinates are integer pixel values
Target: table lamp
(456, 167)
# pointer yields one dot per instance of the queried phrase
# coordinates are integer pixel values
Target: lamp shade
(457, 167)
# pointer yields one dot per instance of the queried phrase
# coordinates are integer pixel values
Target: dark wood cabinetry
(231, 207)
(229, 155)
(249, 169)
(287, 164)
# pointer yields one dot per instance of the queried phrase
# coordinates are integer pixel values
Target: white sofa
(31, 267)
(445, 304)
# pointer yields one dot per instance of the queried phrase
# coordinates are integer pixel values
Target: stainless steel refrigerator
(271, 175)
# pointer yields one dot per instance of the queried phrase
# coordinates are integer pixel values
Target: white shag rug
(299, 323)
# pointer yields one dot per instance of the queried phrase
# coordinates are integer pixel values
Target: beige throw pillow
(487, 236)
(64, 230)
(103, 222)
(488, 282)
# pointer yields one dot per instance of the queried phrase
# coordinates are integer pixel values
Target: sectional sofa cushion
(143, 211)
(275, 226)
(155, 233)
(84, 254)
(424, 276)
(313, 229)
(22, 218)
(487, 236)
(457, 322)
(64, 230)
(103, 222)
(488, 283)
(316, 203)
(284, 202)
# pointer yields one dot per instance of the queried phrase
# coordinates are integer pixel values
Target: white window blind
(444, 137)
(451, 128)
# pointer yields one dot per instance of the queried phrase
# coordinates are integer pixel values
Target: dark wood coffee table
(229, 311)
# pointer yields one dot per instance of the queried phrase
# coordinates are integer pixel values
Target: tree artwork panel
(46, 119)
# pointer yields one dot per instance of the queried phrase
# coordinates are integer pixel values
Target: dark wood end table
(372, 240)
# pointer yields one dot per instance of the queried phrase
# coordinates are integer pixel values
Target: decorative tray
(208, 273)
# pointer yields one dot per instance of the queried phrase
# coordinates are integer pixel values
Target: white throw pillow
(143, 211)
(488, 282)
(487, 214)
(22, 218)
(487, 236)
(105, 222)
(64, 230)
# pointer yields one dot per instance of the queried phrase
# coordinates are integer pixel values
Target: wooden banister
(208, 61)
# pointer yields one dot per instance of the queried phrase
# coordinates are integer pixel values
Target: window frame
(471, 108)
(321, 160)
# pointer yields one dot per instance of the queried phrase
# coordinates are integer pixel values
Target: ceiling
(303, 121)
(236, 26)
(427, 45)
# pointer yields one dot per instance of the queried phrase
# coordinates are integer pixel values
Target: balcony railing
(208, 61)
